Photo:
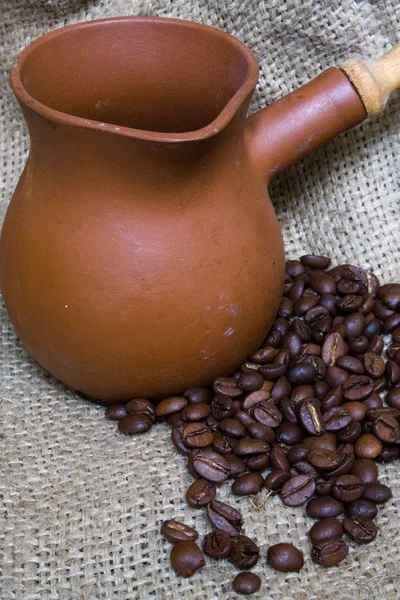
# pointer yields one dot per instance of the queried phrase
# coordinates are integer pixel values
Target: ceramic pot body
(140, 253)
(137, 265)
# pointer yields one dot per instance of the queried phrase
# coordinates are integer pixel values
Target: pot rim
(208, 131)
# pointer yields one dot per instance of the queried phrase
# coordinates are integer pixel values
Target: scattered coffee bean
(362, 508)
(224, 517)
(330, 553)
(377, 492)
(200, 493)
(246, 583)
(134, 423)
(285, 557)
(324, 506)
(115, 412)
(347, 488)
(298, 490)
(244, 553)
(248, 484)
(217, 544)
(324, 530)
(186, 558)
(175, 531)
(361, 529)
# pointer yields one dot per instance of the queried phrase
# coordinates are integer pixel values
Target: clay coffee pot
(140, 253)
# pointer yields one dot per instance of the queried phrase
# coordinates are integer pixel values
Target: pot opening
(156, 75)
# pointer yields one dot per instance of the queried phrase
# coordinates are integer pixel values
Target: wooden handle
(375, 80)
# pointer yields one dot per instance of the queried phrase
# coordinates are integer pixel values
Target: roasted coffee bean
(211, 466)
(250, 382)
(224, 517)
(296, 290)
(301, 392)
(196, 435)
(236, 466)
(336, 418)
(254, 398)
(274, 339)
(362, 508)
(391, 323)
(176, 437)
(396, 335)
(357, 410)
(263, 356)
(381, 311)
(198, 394)
(376, 344)
(222, 407)
(186, 558)
(273, 371)
(347, 488)
(170, 406)
(248, 484)
(221, 443)
(298, 490)
(310, 416)
(143, 407)
(175, 531)
(301, 373)
(275, 480)
(251, 447)
(294, 267)
(324, 460)
(134, 423)
(244, 553)
(302, 330)
(330, 553)
(246, 583)
(327, 440)
(351, 433)
(322, 283)
(303, 467)
(373, 401)
(257, 463)
(324, 488)
(335, 376)
(374, 327)
(288, 410)
(197, 411)
(379, 384)
(377, 492)
(226, 386)
(115, 412)
(393, 398)
(285, 557)
(350, 364)
(390, 295)
(278, 460)
(289, 433)
(212, 423)
(324, 506)
(349, 303)
(332, 398)
(324, 530)
(200, 493)
(281, 389)
(358, 387)
(285, 308)
(368, 446)
(267, 413)
(292, 343)
(386, 429)
(297, 452)
(217, 544)
(358, 345)
(354, 324)
(392, 373)
(361, 529)
(374, 365)
(232, 428)
(315, 262)
(306, 303)
(261, 432)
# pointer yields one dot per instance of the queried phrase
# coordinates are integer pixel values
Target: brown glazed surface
(140, 253)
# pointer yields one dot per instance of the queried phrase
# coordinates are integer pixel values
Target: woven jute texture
(81, 505)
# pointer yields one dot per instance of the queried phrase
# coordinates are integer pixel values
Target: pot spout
(293, 127)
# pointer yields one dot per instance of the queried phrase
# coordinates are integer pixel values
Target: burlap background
(81, 505)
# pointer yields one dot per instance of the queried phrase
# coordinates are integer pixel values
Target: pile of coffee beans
(305, 417)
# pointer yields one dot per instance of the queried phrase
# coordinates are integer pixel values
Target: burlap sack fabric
(81, 505)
